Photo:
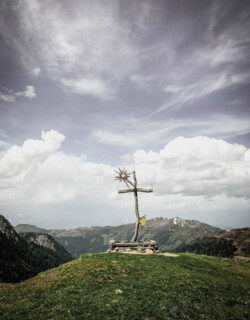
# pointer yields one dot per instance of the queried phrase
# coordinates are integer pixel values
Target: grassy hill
(124, 286)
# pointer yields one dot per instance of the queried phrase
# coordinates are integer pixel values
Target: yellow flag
(143, 221)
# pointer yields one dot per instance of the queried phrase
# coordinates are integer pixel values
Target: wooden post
(136, 209)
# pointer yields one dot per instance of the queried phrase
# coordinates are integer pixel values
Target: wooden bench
(152, 245)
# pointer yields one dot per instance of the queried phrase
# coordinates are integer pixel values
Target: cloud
(36, 72)
(7, 97)
(183, 95)
(193, 65)
(84, 50)
(143, 132)
(172, 89)
(17, 160)
(29, 92)
(188, 175)
(97, 47)
(47, 175)
(4, 144)
(95, 87)
(198, 166)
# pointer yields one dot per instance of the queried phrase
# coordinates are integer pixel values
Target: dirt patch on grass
(6, 285)
(247, 259)
(168, 254)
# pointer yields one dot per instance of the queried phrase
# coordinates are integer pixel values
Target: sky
(87, 87)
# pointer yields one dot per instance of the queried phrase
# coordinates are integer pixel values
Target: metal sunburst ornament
(123, 176)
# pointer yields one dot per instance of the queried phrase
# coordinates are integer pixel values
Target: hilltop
(124, 286)
(170, 234)
(30, 228)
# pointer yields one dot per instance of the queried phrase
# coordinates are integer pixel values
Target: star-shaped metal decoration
(123, 176)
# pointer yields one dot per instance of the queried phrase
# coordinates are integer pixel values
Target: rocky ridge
(44, 240)
(22, 256)
(7, 229)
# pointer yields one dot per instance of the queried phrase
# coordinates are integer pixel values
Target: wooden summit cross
(123, 176)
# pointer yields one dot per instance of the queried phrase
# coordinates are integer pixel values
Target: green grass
(123, 286)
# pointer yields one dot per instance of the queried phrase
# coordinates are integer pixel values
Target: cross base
(128, 246)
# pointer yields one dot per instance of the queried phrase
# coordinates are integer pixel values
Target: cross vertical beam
(136, 209)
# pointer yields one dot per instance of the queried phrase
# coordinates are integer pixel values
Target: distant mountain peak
(7, 229)
(179, 221)
(187, 223)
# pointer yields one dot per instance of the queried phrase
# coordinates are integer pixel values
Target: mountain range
(171, 235)
(27, 249)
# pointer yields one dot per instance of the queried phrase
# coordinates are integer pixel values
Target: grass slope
(123, 286)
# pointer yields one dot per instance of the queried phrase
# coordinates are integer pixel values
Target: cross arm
(126, 191)
(144, 190)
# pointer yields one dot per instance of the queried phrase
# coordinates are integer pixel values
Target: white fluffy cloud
(7, 97)
(198, 166)
(38, 173)
(189, 175)
(16, 160)
(29, 92)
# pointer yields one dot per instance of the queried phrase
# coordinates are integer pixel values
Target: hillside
(169, 233)
(211, 246)
(240, 238)
(23, 257)
(47, 242)
(124, 286)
